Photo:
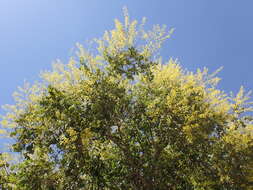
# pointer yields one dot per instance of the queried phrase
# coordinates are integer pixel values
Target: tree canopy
(118, 117)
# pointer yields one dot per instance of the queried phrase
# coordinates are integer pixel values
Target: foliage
(118, 118)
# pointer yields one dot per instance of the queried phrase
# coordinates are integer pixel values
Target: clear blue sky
(209, 33)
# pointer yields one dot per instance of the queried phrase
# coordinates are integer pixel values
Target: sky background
(209, 33)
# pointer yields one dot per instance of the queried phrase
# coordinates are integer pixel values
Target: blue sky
(209, 33)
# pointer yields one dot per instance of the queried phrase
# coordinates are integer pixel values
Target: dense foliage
(117, 117)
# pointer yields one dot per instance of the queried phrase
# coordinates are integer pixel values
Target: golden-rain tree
(117, 117)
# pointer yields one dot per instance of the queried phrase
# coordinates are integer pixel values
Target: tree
(117, 117)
